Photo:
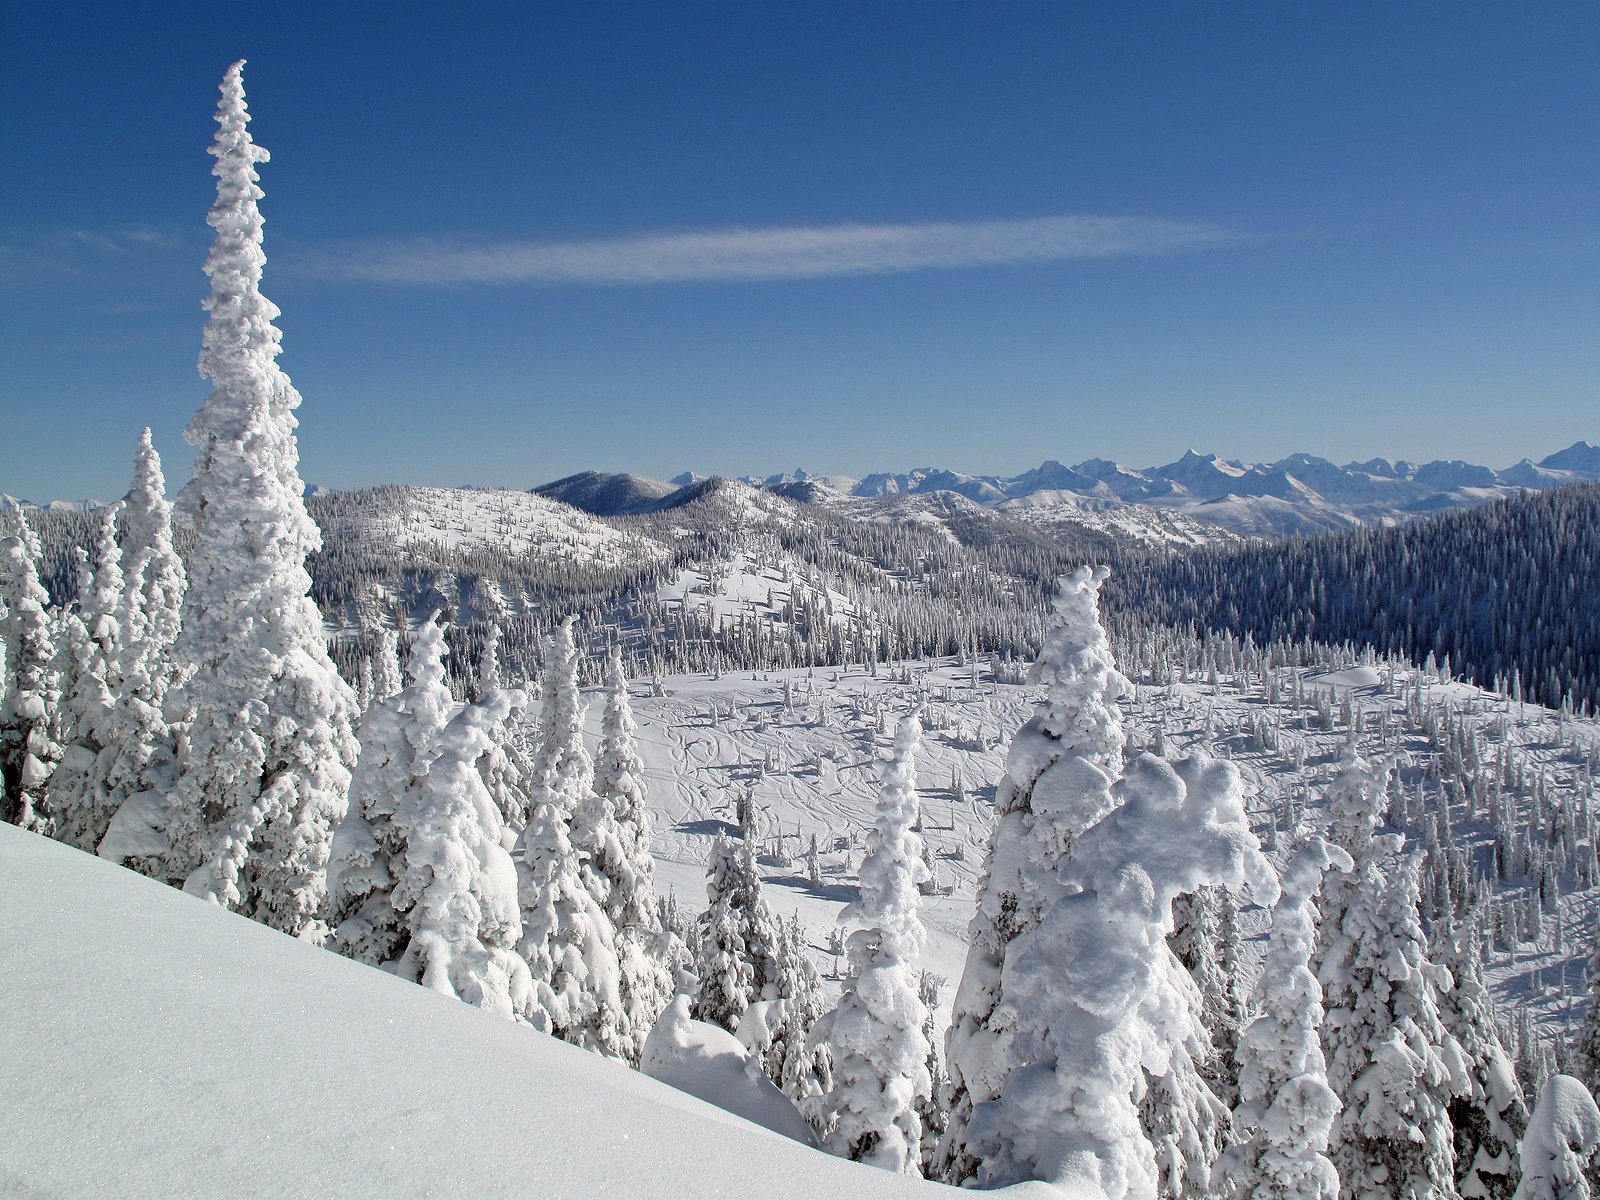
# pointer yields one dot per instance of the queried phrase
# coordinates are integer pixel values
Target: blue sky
(516, 241)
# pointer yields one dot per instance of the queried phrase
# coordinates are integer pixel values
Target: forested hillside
(1508, 590)
(742, 579)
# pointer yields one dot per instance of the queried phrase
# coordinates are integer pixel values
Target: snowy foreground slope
(163, 1047)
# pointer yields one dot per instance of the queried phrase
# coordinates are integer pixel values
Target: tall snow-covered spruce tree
(1058, 779)
(271, 741)
(880, 1053)
(613, 828)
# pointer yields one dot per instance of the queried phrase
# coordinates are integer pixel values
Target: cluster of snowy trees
(1097, 1037)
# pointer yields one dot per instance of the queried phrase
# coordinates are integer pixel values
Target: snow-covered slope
(500, 519)
(155, 1046)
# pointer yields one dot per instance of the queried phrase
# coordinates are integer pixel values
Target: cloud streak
(753, 255)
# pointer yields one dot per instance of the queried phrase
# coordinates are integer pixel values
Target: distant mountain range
(1300, 493)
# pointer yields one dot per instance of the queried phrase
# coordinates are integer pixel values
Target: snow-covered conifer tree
(738, 938)
(1586, 1048)
(1389, 1057)
(614, 830)
(400, 736)
(504, 766)
(77, 797)
(1057, 783)
(875, 1032)
(270, 741)
(386, 679)
(141, 762)
(1197, 940)
(563, 770)
(457, 885)
(1286, 1108)
(1560, 1143)
(931, 1109)
(28, 699)
(154, 578)
(801, 1067)
(1096, 1001)
(1489, 1115)
(567, 941)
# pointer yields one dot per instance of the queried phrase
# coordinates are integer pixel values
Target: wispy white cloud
(747, 255)
(74, 251)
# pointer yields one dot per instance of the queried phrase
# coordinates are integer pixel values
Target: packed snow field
(831, 874)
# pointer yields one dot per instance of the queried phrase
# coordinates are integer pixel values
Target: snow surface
(512, 521)
(162, 1047)
(707, 1061)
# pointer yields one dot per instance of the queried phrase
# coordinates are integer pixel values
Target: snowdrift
(157, 1046)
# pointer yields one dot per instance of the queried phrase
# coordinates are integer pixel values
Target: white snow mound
(164, 1047)
(707, 1061)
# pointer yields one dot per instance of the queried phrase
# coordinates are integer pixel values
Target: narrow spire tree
(1058, 780)
(30, 694)
(616, 835)
(271, 741)
(875, 1032)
